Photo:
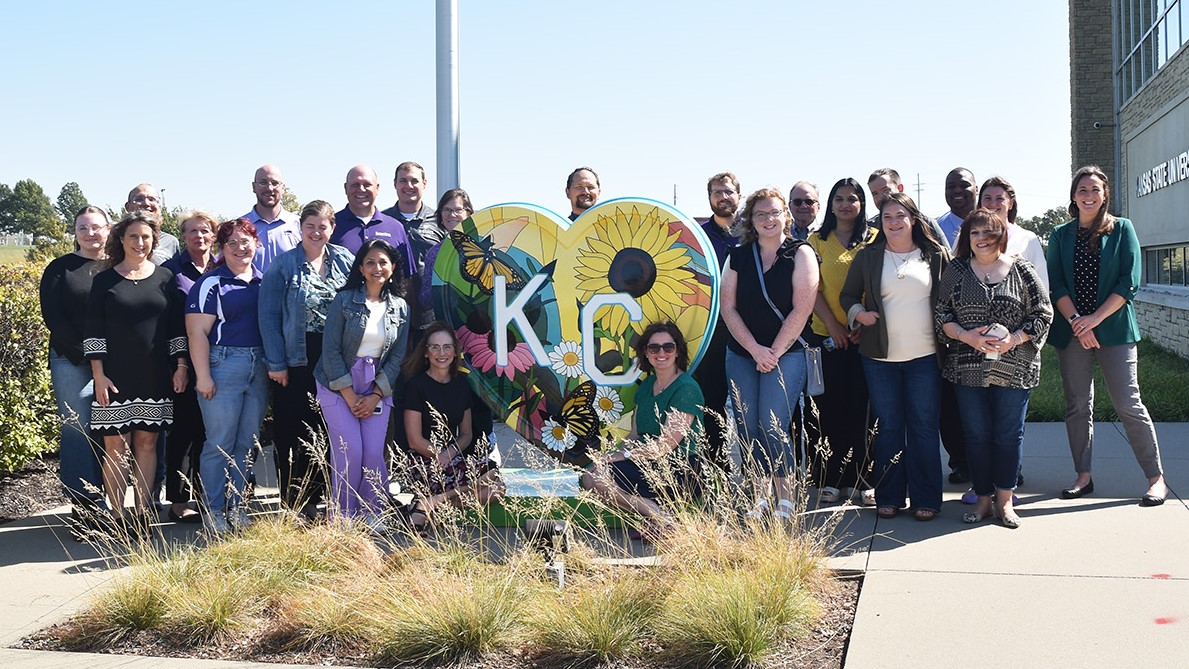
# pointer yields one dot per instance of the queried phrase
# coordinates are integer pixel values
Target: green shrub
(28, 415)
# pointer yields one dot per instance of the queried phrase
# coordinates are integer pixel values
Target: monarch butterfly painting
(480, 262)
(578, 411)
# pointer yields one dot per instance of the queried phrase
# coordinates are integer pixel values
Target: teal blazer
(1118, 273)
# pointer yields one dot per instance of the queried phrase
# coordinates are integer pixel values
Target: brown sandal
(925, 515)
(887, 511)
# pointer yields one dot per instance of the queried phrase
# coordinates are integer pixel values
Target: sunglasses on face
(806, 202)
(667, 347)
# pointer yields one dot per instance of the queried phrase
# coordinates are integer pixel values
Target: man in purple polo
(361, 220)
(277, 230)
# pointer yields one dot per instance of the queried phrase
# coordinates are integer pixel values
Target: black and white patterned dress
(135, 327)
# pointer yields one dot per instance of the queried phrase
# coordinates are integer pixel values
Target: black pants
(183, 446)
(298, 429)
(952, 437)
(711, 375)
(838, 433)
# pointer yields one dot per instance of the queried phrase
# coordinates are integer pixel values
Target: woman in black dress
(137, 347)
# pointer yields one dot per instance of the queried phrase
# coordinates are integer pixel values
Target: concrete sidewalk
(1095, 582)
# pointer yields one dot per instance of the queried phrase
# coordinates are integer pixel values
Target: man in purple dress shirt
(361, 220)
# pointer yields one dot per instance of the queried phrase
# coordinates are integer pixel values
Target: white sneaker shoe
(828, 495)
(868, 497)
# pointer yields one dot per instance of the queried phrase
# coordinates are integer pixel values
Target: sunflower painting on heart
(547, 311)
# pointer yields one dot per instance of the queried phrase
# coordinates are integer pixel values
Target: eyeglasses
(455, 211)
(141, 199)
(724, 192)
(667, 347)
(239, 243)
(441, 348)
(268, 183)
(803, 202)
(767, 215)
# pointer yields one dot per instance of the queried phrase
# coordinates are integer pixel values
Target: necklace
(901, 260)
(987, 270)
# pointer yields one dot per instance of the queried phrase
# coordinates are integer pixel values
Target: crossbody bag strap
(755, 252)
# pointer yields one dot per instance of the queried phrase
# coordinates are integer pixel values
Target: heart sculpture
(547, 311)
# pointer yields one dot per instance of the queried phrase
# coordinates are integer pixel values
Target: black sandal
(418, 519)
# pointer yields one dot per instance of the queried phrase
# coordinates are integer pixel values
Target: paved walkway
(1095, 582)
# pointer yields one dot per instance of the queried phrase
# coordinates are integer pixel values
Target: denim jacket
(344, 332)
(283, 303)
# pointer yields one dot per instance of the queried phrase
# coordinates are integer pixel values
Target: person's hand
(446, 456)
(281, 377)
(765, 359)
(1088, 340)
(981, 342)
(365, 405)
(838, 333)
(1084, 324)
(853, 336)
(205, 387)
(103, 390)
(180, 379)
(867, 318)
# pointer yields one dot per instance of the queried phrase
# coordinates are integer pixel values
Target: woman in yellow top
(839, 434)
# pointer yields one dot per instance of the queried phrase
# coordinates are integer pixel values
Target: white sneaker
(828, 495)
(867, 497)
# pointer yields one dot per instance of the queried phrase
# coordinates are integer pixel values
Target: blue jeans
(232, 418)
(764, 405)
(81, 454)
(993, 422)
(906, 401)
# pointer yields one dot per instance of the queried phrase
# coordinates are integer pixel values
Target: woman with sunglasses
(666, 428)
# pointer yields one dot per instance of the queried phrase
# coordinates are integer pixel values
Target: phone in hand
(997, 331)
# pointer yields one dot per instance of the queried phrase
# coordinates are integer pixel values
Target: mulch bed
(31, 489)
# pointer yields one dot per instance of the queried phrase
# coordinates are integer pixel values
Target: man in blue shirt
(361, 220)
(961, 194)
(277, 230)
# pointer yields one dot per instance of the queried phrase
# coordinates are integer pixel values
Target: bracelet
(1074, 317)
(377, 394)
(182, 365)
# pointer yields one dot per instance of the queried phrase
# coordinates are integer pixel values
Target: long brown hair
(1103, 222)
(415, 362)
(115, 239)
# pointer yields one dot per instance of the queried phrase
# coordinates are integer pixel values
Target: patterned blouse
(1018, 302)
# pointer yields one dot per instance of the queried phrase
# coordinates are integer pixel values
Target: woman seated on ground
(889, 294)
(666, 426)
(993, 314)
(446, 467)
(363, 345)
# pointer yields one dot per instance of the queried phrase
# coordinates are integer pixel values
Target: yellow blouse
(836, 260)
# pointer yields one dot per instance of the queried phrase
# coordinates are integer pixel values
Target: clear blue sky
(192, 97)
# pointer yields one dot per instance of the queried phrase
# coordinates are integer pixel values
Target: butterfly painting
(480, 262)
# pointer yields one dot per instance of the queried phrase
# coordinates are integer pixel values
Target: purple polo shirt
(232, 302)
(275, 237)
(185, 272)
(351, 232)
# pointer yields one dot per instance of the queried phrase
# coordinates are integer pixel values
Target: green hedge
(28, 414)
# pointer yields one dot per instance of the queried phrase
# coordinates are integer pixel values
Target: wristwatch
(1074, 317)
(627, 453)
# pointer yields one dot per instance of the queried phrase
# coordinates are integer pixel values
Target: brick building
(1129, 88)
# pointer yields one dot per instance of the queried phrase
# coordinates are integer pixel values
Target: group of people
(930, 333)
(166, 357)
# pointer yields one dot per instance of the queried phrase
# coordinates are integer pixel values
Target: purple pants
(359, 472)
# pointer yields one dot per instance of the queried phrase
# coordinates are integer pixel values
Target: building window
(1149, 33)
(1167, 266)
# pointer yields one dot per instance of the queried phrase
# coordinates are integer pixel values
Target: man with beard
(145, 198)
(276, 229)
(360, 220)
(804, 205)
(961, 194)
(582, 190)
(882, 183)
(723, 190)
(419, 219)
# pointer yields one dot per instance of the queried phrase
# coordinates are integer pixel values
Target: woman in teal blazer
(1094, 273)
